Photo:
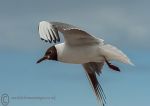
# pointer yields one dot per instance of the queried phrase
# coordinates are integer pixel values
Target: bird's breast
(77, 54)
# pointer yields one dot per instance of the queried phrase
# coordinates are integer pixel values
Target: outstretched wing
(91, 74)
(72, 35)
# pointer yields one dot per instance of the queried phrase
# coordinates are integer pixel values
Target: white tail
(112, 53)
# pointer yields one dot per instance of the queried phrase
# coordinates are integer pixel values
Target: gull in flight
(80, 47)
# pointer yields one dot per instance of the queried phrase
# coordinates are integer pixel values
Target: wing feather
(72, 35)
(91, 75)
(96, 66)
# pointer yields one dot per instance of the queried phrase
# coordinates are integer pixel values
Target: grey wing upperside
(72, 35)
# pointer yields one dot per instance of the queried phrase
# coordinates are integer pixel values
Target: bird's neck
(59, 49)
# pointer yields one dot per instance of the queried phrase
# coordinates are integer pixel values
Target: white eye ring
(48, 56)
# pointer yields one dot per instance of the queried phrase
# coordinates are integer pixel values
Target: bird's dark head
(51, 54)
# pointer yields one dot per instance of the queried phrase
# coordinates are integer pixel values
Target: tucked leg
(113, 67)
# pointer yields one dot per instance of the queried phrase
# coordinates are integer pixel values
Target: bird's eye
(50, 52)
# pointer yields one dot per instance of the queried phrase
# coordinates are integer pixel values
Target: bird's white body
(79, 54)
(89, 53)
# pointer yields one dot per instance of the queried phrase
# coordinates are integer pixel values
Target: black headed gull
(80, 48)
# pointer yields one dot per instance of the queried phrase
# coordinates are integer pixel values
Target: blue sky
(124, 24)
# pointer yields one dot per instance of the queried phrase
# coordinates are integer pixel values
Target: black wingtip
(49, 41)
(54, 41)
(42, 39)
(45, 40)
(58, 40)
